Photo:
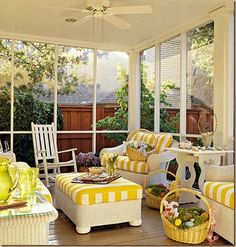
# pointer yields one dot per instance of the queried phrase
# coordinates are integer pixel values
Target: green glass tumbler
(34, 174)
(24, 184)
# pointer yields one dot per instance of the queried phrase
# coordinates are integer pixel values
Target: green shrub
(27, 108)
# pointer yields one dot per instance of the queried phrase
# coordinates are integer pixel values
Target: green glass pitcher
(8, 182)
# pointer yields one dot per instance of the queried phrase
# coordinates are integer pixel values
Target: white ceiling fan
(102, 9)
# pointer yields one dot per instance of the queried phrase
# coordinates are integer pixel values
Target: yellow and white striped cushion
(123, 163)
(222, 192)
(150, 139)
(88, 194)
(44, 191)
(164, 141)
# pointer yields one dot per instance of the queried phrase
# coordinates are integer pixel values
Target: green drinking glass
(34, 174)
(24, 184)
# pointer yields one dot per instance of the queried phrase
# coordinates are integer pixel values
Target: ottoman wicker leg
(83, 230)
(136, 223)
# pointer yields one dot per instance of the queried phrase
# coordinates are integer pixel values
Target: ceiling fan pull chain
(102, 27)
(93, 26)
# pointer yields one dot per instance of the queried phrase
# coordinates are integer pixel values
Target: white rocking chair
(45, 150)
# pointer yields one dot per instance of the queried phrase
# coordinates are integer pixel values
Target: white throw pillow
(220, 173)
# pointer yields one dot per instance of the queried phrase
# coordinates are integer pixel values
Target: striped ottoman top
(88, 194)
(222, 192)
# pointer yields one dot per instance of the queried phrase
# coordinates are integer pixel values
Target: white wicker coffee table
(27, 225)
(89, 205)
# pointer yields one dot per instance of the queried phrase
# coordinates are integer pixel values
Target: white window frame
(183, 72)
(94, 130)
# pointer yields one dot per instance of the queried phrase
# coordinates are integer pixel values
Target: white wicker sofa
(219, 189)
(138, 171)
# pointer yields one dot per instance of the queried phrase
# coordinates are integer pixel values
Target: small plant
(87, 160)
(185, 218)
(110, 163)
(158, 190)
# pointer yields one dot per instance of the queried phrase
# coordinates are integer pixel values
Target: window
(112, 96)
(5, 85)
(38, 77)
(200, 79)
(75, 87)
(170, 71)
(147, 88)
(33, 84)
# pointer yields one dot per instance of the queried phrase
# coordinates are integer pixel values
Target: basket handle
(216, 123)
(193, 192)
(157, 171)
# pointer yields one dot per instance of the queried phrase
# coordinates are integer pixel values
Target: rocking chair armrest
(66, 151)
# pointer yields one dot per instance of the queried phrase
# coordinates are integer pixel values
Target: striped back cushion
(164, 141)
(145, 137)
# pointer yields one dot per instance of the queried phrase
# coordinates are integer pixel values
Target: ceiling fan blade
(84, 19)
(116, 21)
(144, 9)
(70, 9)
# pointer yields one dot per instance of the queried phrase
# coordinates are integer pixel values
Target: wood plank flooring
(62, 232)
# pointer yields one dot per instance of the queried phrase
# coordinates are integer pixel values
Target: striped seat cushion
(44, 191)
(164, 141)
(88, 194)
(123, 163)
(221, 192)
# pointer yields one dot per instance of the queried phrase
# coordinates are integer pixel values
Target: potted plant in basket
(86, 160)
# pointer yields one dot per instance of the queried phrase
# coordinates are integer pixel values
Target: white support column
(183, 86)
(223, 75)
(94, 99)
(12, 96)
(55, 86)
(157, 92)
(134, 91)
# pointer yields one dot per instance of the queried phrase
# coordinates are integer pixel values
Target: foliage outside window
(147, 88)
(170, 85)
(112, 91)
(200, 78)
(34, 90)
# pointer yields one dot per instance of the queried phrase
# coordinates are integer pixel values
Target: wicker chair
(154, 162)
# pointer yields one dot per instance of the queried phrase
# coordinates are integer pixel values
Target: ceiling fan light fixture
(97, 4)
(71, 20)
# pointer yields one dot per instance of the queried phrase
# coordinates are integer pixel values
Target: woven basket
(155, 201)
(193, 235)
(134, 154)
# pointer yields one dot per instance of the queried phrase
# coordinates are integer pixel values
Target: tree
(203, 37)
(120, 119)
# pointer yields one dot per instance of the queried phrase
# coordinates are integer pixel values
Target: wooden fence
(80, 118)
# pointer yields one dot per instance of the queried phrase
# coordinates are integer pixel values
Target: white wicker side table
(27, 225)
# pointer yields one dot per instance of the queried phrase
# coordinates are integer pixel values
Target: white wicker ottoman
(89, 205)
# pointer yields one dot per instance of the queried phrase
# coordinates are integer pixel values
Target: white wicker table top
(36, 206)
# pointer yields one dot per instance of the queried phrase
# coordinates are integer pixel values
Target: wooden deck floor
(62, 232)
